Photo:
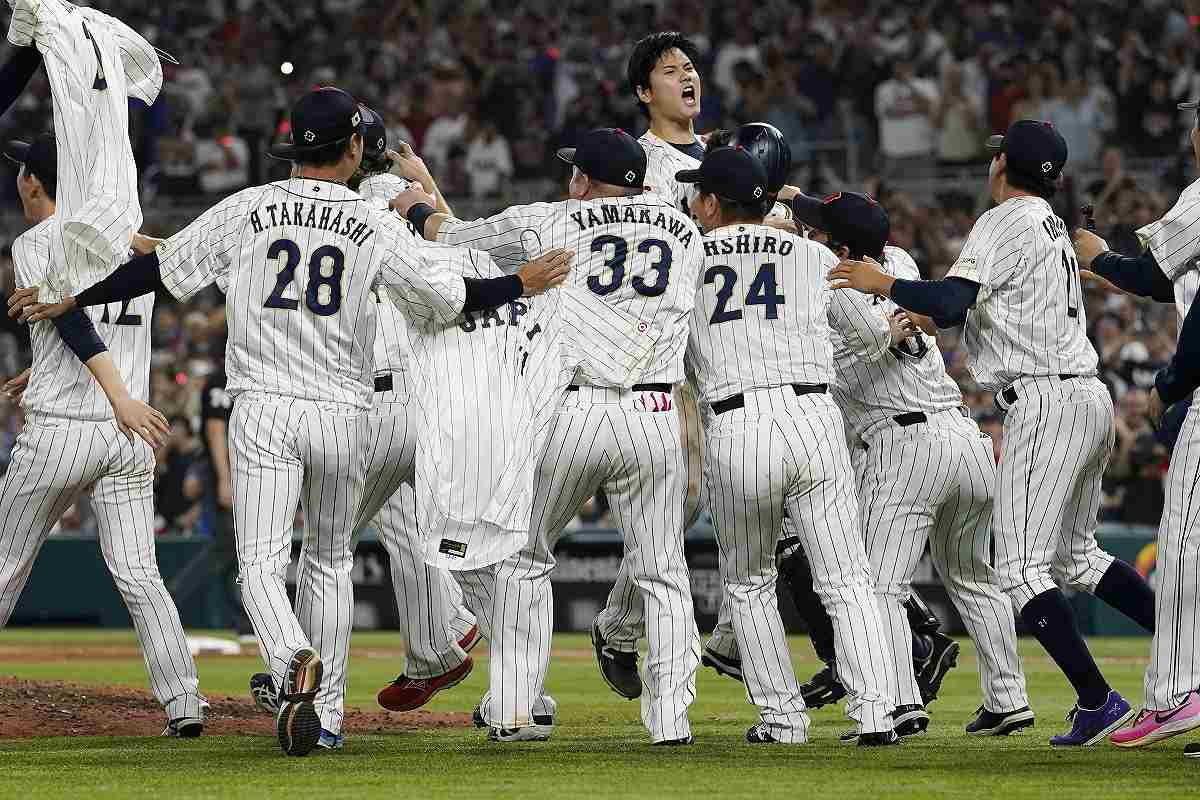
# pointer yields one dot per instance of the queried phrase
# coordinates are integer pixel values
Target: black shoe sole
(818, 695)
(947, 660)
(598, 646)
(912, 727)
(1006, 727)
(298, 728)
(721, 667)
(190, 731)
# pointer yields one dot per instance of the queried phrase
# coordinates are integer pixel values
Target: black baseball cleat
(297, 725)
(675, 742)
(824, 688)
(729, 667)
(989, 723)
(760, 734)
(618, 668)
(943, 657)
(910, 720)
(1192, 750)
(881, 739)
(262, 690)
(184, 728)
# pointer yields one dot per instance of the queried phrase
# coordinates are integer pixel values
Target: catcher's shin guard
(796, 571)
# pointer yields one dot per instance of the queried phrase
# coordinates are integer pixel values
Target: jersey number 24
(325, 268)
(764, 291)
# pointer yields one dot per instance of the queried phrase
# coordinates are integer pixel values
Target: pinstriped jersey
(1174, 241)
(391, 340)
(60, 385)
(663, 160)
(94, 62)
(636, 253)
(873, 380)
(299, 260)
(762, 315)
(1028, 318)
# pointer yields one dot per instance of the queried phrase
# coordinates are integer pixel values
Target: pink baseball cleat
(1153, 726)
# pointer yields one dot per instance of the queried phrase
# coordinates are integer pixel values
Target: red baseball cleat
(470, 639)
(405, 694)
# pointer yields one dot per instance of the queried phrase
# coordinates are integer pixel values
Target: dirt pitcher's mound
(50, 708)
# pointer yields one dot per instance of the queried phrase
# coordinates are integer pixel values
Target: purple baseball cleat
(1090, 726)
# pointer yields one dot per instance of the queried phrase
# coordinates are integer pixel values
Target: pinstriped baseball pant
(933, 482)
(55, 461)
(1058, 437)
(601, 438)
(285, 452)
(779, 451)
(431, 614)
(1174, 669)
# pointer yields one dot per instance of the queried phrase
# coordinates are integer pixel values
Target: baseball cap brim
(810, 210)
(16, 151)
(688, 176)
(286, 151)
(995, 142)
(566, 154)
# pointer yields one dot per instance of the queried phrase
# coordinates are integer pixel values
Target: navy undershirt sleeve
(1138, 275)
(491, 292)
(1181, 376)
(79, 335)
(132, 279)
(946, 302)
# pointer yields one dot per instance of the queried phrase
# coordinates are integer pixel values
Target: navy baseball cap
(850, 218)
(322, 117)
(1035, 150)
(39, 157)
(609, 155)
(374, 133)
(729, 172)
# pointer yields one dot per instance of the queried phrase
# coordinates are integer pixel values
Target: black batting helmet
(766, 143)
(374, 133)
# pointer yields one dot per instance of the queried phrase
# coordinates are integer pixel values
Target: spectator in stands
(222, 160)
(905, 106)
(742, 47)
(178, 486)
(957, 121)
(489, 163)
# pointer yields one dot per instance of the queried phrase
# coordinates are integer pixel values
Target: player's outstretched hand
(135, 417)
(902, 327)
(143, 244)
(546, 271)
(864, 276)
(1087, 246)
(1155, 408)
(24, 305)
(413, 195)
(15, 388)
(407, 164)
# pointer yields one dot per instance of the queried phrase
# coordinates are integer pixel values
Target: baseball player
(905, 415)
(78, 440)
(1015, 288)
(760, 347)
(640, 255)
(1166, 271)
(299, 366)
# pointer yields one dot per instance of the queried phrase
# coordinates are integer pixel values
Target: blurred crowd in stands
(893, 97)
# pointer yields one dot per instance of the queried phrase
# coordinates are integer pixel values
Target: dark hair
(721, 137)
(326, 155)
(1040, 187)
(738, 210)
(646, 54)
(49, 184)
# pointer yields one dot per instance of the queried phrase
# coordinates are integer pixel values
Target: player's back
(1028, 318)
(761, 315)
(301, 310)
(60, 385)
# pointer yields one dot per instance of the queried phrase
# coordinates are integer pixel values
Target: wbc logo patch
(310, 137)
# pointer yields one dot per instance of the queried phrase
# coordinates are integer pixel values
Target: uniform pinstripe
(94, 63)
(1174, 669)
(641, 257)
(762, 324)
(301, 262)
(1027, 330)
(71, 447)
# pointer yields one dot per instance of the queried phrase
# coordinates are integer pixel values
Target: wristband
(418, 214)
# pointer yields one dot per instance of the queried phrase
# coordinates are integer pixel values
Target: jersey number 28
(325, 268)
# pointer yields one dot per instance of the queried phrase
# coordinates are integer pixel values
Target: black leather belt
(637, 387)
(1010, 395)
(383, 383)
(739, 400)
(910, 418)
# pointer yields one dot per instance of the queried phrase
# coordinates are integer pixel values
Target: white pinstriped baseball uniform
(641, 256)
(1174, 668)
(431, 614)
(94, 63)
(299, 260)
(922, 481)
(1025, 332)
(761, 326)
(71, 447)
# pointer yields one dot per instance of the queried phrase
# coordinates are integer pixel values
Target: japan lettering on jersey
(299, 260)
(391, 340)
(636, 253)
(663, 161)
(875, 381)
(762, 314)
(1174, 242)
(1028, 317)
(60, 385)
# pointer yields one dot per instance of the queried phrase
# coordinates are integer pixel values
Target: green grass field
(599, 748)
